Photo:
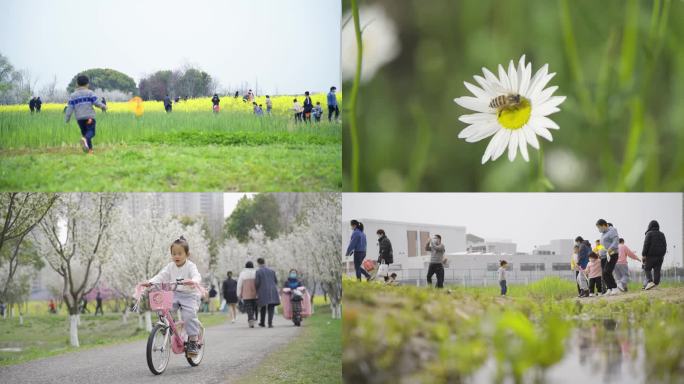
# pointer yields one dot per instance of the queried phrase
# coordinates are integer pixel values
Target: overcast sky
(230, 201)
(289, 45)
(530, 219)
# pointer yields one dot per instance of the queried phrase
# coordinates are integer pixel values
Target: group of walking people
(35, 104)
(305, 111)
(358, 247)
(255, 292)
(603, 268)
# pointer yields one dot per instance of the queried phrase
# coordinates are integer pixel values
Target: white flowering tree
(142, 247)
(76, 239)
(21, 213)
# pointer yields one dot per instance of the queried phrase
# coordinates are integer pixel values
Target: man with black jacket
(653, 253)
(385, 246)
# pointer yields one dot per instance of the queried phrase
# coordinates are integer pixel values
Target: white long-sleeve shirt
(171, 272)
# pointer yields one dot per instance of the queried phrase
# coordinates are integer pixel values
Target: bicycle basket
(161, 300)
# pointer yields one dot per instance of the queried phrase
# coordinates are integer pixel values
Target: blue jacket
(357, 242)
(293, 283)
(583, 255)
(332, 99)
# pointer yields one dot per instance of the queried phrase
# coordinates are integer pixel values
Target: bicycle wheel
(197, 359)
(158, 349)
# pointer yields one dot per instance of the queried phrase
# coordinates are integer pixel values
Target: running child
(80, 104)
(594, 272)
(185, 296)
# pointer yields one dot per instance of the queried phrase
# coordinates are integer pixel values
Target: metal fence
(484, 277)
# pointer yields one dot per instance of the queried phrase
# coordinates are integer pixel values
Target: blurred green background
(619, 62)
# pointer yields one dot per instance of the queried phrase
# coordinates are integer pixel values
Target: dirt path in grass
(232, 350)
(673, 295)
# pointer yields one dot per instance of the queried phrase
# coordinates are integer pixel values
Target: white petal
(536, 92)
(525, 81)
(493, 144)
(522, 143)
(497, 86)
(503, 78)
(522, 69)
(478, 92)
(472, 103)
(479, 117)
(484, 132)
(512, 76)
(545, 122)
(549, 106)
(487, 86)
(541, 131)
(530, 136)
(513, 145)
(471, 130)
(536, 78)
(544, 95)
(502, 144)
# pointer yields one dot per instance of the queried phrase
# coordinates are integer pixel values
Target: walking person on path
(333, 107)
(246, 291)
(229, 292)
(267, 292)
(609, 241)
(653, 253)
(357, 246)
(621, 272)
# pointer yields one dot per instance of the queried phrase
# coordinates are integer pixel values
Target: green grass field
(181, 151)
(315, 357)
(537, 333)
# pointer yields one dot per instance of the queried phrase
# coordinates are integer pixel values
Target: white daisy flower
(380, 40)
(512, 108)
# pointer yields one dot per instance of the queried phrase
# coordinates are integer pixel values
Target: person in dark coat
(653, 253)
(32, 104)
(167, 104)
(215, 103)
(39, 104)
(229, 292)
(308, 107)
(385, 247)
(104, 102)
(267, 292)
(98, 307)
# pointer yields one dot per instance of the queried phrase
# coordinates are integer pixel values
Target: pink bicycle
(167, 335)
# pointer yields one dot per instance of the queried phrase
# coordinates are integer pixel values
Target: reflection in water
(598, 351)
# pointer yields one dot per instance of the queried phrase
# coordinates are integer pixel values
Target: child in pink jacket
(621, 272)
(594, 272)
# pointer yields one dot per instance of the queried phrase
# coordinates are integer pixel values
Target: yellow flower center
(515, 117)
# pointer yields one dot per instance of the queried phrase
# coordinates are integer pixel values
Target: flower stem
(543, 184)
(353, 118)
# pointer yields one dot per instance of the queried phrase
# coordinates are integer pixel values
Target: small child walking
(80, 104)
(594, 272)
(185, 296)
(502, 277)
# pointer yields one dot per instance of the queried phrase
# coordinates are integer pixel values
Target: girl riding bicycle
(185, 296)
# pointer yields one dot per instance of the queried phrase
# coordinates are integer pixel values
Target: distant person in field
(215, 103)
(583, 248)
(436, 267)
(609, 241)
(176, 100)
(621, 272)
(308, 107)
(39, 104)
(32, 104)
(236, 94)
(594, 273)
(250, 95)
(318, 112)
(104, 102)
(297, 110)
(98, 307)
(357, 246)
(269, 105)
(167, 104)
(333, 108)
(385, 253)
(653, 253)
(260, 110)
(80, 104)
(502, 277)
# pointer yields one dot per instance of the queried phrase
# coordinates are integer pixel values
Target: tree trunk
(73, 330)
(148, 321)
